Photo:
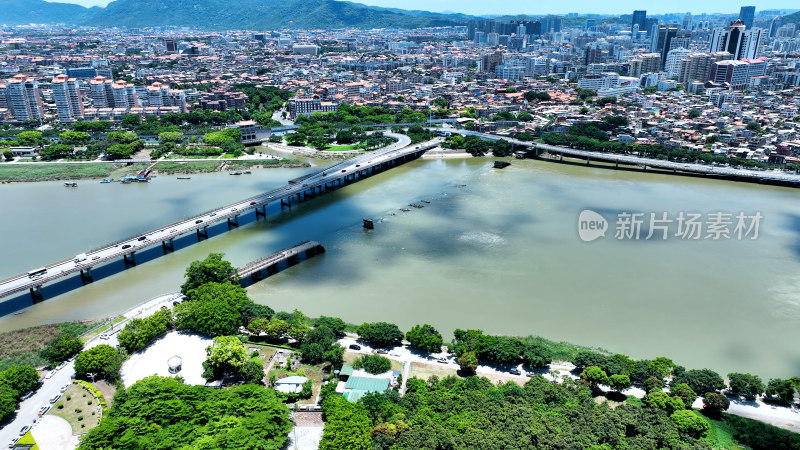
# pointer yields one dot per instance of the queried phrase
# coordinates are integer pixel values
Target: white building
(67, 95)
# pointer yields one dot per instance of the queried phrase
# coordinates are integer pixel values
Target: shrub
(373, 364)
(89, 402)
(80, 418)
(78, 410)
(60, 405)
(69, 397)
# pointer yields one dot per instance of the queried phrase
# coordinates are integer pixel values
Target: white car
(50, 374)
(64, 388)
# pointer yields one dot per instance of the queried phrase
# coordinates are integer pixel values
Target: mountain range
(224, 14)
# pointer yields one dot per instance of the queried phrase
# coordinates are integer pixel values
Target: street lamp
(92, 375)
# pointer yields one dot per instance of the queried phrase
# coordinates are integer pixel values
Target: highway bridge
(252, 272)
(297, 190)
(536, 150)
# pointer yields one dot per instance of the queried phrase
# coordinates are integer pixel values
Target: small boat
(235, 173)
(247, 172)
(70, 184)
(105, 181)
(184, 178)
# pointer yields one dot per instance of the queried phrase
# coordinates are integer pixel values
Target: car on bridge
(198, 221)
(142, 238)
(252, 203)
(126, 246)
(213, 214)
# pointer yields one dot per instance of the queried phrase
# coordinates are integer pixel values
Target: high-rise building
(661, 40)
(746, 14)
(171, 45)
(106, 93)
(697, 66)
(645, 63)
(673, 64)
(735, 73)
(490, 62)
(23, 99)
(687, 21)
(67, 94)
(773, 27)
(738, 41)
(639, 18)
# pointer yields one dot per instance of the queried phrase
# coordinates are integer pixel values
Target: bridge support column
(167, 246)
(286, 203)
(36, 294)
(560, 156)
(233, 222)
(262, 213)
(86, 275)
(129, 259)
(202, 234)
(272, 269)
(292, 260)
(299, 197)
(616, 164)
(588, 160)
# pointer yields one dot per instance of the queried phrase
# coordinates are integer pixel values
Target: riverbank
(32, 172)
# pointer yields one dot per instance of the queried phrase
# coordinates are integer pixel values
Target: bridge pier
(588, 160)
(272, 269)
(262, 213)
(286, 203)
(202, 234)
(560, 156)
(36, 294)
(129, 259)
(299, 197)
(616, 164)
(86, 275)
(233, 222)
(167, 246)
(292, 260)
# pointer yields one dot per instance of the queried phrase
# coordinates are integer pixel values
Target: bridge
(535, 149)
(252, 272)
(298, 190)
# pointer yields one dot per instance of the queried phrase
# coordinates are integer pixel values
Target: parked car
(55, 398)
(50, 374)
(64, 388)
(382, 351)
(24, 430)
(355, 347)
(515, 371)
(13, 443)
(26, 395)
(44, 409)
(442, 360)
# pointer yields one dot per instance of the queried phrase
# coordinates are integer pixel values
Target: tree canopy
(425, 338)
(164, 414)
(213, 269)
(380, 334)
(212, 309)
(104, 361)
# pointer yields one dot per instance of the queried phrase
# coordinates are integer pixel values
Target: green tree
(139, 332)
(536, 355)
(212, 309)
(694, 113)
(335, 356)
(8, 155)
(380, 334)
(714, 403)
(781, 391)
(656, 399)
(276, 329)
(212, 269)
(347, 425)
(688, 422)
(296, 139)
(253, 371)
(104, 361)
(226, 355)
(74, 137)
(745, 384)
(250, 310)
(61, 349)
(345, 137)
(374, 364)
(21, 378)
(131, 121)
(335, 324)
(684, 392)
(619, 382)
(425, 337)
(164, 413)
(119, 151)
(8, 401)
(594, 376)
(468, 362)
(171, 136)
(30, 138)
(702, 380)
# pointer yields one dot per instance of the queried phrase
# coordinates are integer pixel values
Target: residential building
(661, 40)
(67, 95)
(735, 73)
(746, 15)
(307, 105)
(23, 99)
(738, 41)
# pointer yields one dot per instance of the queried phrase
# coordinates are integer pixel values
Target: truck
(80, 258)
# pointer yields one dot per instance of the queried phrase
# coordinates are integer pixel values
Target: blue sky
(479, 7)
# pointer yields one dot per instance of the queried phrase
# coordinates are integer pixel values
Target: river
(494, 249)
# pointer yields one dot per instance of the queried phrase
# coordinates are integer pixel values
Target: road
(28, 409)
(130, 245)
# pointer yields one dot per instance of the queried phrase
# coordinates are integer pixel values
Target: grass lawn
(23, 346)
(27, 439)
(341, 148)
(424, 371)
(349, 357)
(79, 408)
(315, 374)
(247, 163)
(174, 156)
(227, 156)
(720, 435)
(166, 168)
(50, 172)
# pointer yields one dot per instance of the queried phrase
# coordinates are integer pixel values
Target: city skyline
(474, 7)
